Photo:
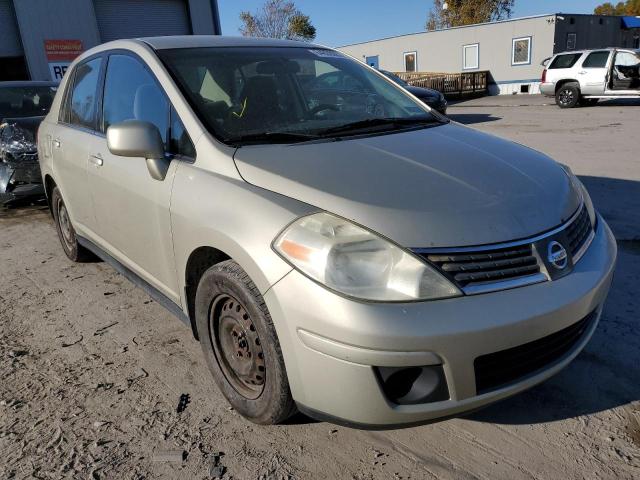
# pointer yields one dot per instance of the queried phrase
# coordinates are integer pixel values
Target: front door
(131, 208)
(626, 72)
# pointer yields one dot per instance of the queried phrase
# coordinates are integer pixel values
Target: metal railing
(451, 84)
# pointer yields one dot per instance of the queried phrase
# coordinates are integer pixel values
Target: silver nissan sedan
(337, 247)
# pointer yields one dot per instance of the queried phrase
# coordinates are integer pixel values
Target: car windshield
(270, 95)
(25, 101)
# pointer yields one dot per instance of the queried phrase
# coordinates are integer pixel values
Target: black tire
(589, 102)
(568, 95)
(252, 376)
(66, 233)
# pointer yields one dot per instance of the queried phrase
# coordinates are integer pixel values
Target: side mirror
(135, 138)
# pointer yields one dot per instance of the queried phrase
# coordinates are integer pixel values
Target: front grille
(484, 269)
(578, 231)
(481, 267)
(501, 368)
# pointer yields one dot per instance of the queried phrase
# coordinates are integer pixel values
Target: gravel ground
(93, 370)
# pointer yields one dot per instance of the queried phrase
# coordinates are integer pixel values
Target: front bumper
(331, 344)
(20, 181)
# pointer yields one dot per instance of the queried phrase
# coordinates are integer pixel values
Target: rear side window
(131, 93)
(565, 61)
(82, 111)
(596, 60)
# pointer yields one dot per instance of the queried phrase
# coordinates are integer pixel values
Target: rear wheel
(568, 95)
(240, 345)
(66, 232)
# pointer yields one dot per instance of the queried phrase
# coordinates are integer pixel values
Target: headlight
(356, 262)
(579, 186)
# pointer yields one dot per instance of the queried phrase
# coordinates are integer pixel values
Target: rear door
(72, 140)
(131, 208)
(594, 73)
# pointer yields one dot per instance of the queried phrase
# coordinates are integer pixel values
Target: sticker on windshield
(321, 52)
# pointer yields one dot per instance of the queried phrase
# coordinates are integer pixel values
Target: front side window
(287, 93)
(596, 60)
(82, 111)
(131, 93)
(521, 51)
(410, 62)
(627, 59)
(470, 57)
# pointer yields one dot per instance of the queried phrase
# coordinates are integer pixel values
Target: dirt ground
(92, 370)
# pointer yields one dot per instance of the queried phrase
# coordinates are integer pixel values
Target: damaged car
(22, 108)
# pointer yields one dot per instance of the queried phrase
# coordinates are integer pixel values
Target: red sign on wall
(62, 50)
(60, 53)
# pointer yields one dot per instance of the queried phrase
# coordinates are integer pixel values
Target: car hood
(445, 186)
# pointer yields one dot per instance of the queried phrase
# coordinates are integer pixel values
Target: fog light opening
(413, 385)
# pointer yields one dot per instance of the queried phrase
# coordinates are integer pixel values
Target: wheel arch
(561, 83)
(49, 185)
(199, 261)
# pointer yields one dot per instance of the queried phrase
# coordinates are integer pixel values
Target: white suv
(583, 77)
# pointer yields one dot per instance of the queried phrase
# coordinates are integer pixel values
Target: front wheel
(240, 345)
(568, 95)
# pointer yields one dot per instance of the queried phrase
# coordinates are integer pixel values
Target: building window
(572, 39)
(521, 51)
(470, 56)
(410, 62)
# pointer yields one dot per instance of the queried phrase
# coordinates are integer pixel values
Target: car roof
(28, 83)
(195, 41)
(608, 49)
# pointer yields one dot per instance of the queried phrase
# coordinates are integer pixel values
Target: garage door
(9, 36)
(141, 18)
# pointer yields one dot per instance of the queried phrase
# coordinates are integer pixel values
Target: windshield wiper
(379, 122)
(272, 137)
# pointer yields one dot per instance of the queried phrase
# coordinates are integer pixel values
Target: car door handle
(96, 160)
(56, 143)
(582, 72)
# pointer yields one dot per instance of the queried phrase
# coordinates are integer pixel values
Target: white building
(511, 50)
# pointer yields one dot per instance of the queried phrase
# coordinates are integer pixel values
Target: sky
(340, 22)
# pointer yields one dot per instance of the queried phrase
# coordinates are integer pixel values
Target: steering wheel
(322, 107)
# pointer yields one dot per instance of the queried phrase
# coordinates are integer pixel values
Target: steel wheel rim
(566, 97)
(65, 225)
(237, 346)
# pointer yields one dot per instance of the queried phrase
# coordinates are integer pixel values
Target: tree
(278, 19)
(467, 12)
(630, 7)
